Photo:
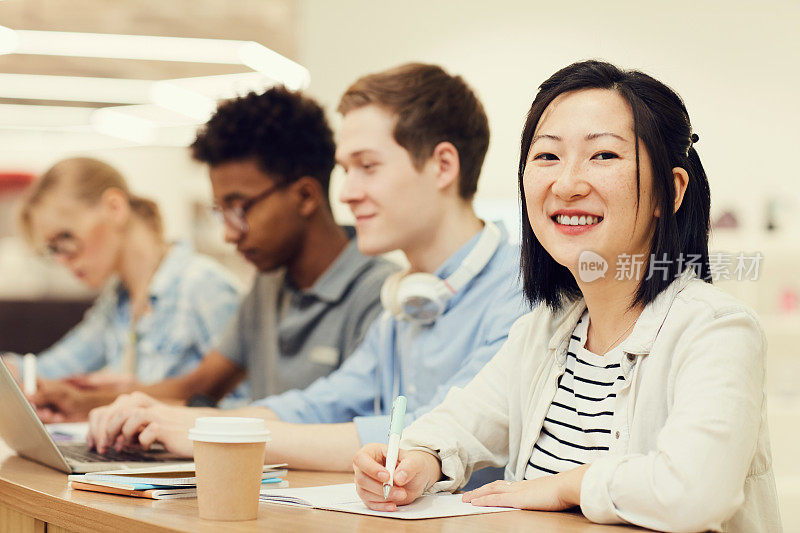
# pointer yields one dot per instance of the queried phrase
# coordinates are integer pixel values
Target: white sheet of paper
(344, 498)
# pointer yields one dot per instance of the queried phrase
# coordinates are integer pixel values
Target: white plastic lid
(229, 429)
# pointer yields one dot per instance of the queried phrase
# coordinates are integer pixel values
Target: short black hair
(283, 131)
(661, 122)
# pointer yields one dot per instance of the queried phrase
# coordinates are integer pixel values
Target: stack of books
(160, 483)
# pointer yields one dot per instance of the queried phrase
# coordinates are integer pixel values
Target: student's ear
(447, 165)
(116, 205)
(680, 179)
(309, 195)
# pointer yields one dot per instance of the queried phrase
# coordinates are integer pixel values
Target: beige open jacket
(689, 441)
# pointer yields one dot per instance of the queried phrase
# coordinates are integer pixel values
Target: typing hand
(548, 493)
(415, 472)
(136, 419)
(56, 401)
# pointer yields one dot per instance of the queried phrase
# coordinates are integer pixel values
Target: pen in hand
(395, 432)
(29, 374)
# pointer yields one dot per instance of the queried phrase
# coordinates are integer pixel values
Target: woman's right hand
(415, 472)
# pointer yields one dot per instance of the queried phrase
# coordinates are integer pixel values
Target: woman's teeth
(582, 220)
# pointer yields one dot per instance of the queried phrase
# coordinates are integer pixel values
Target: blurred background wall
(733, 62)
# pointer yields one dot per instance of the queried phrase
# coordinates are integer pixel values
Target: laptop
(24, 433)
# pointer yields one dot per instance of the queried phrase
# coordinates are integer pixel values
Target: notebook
(144, 490)
(177, 475)
(345, 499)
(153, 494)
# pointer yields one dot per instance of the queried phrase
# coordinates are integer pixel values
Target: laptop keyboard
(82, 453)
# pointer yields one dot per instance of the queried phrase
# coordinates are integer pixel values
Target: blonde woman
(161, 305)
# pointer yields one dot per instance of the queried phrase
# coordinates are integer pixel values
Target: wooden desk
(35, 498)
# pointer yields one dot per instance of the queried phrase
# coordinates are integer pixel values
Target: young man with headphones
(412, 143)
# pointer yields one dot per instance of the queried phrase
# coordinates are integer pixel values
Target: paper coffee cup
(229, 458)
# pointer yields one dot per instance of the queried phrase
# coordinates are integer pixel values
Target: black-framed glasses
(236, 217)
(65, 245)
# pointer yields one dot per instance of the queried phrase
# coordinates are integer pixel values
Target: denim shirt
(192, 299)
(424, 361)
(690, 445)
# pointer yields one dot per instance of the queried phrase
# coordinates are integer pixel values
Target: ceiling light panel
(43, 116)
(145, 124)
(155, 48)
(109, 45)
(74, 88)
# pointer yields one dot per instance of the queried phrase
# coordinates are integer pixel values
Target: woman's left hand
(549, 493)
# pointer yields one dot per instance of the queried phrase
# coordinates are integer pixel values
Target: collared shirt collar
(333, 283)
(647, 325)
(564, 323)
(454, 261)
(170, 269)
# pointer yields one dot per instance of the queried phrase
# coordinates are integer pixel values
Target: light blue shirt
(192, 299)
(425, 361)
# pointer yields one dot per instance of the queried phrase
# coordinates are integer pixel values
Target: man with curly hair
(270, 157)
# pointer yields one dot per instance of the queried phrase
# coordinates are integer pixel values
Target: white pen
(29, 374)
(395, 432)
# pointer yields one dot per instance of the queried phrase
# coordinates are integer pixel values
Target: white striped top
(577, 428)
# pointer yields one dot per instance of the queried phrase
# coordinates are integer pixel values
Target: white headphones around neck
(422, 297)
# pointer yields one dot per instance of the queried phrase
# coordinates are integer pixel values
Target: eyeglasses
(236, 217)
(65, 245)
